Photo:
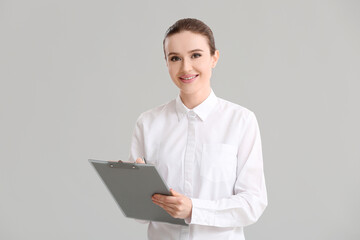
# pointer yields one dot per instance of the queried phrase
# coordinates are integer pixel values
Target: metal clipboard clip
(123, 165)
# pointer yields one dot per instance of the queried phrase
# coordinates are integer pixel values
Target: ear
(215, 58)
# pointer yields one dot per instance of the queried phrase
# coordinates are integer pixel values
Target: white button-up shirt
(212, 154)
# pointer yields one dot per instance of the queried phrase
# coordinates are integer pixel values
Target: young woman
(207, 149)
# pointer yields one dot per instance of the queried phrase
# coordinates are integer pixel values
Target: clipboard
(132, 186)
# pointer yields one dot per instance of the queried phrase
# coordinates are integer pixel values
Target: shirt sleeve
(250, 197)
(137, 142)
(137, 150)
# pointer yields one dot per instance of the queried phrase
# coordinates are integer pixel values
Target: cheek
(205, 68)
(173, 69)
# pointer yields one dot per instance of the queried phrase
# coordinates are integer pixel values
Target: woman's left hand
(177, 205)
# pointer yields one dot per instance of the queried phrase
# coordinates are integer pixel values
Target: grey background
(76, 74)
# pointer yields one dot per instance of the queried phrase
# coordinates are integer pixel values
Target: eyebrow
(195, 50)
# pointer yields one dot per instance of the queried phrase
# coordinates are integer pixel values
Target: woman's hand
(139, 160)
(177, 205)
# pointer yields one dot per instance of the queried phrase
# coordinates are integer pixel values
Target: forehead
(186, 41)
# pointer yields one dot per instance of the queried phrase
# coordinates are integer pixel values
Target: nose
(186, 65)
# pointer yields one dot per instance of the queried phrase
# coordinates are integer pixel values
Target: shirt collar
(202, 110)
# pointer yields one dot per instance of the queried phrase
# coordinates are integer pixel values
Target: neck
(192, 100)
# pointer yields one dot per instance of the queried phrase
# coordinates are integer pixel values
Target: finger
(171, 210)
(164, 205)
(139, 160)
(171, 205)
(174, 193)
(174, 212)
(165, 199)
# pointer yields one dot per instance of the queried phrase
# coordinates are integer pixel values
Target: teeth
(189, 78)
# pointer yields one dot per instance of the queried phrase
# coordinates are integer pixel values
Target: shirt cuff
(200, 215)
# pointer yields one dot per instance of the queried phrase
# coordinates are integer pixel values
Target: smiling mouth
(188, 78)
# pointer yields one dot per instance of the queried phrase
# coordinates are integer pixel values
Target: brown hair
(192, 25)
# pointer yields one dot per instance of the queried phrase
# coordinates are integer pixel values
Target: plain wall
(75, 75)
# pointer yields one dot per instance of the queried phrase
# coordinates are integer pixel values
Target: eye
(174, 59)
(196, 55)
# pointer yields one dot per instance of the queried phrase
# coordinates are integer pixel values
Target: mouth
(188, 78)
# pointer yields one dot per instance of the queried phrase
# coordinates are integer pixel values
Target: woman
(207, 149)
